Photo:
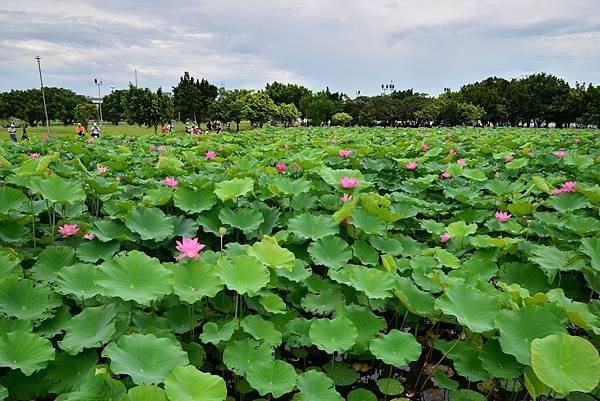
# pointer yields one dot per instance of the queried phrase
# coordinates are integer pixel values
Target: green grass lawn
(107, 129)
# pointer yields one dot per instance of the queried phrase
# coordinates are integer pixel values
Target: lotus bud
(222, 231)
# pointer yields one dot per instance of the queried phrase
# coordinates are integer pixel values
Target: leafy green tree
(144, 107)
(192, 98)
(319, 107)
(341, 119)
(447, 109)
(229, 106)
(258, 107)
(591, 106)
(286, 93)
(490, 94)
(287, 113)
(84, 112)
(113, 106)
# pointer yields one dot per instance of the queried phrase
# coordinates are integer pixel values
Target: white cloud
(347, 44)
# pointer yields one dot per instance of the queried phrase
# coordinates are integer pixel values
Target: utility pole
(99, 84)
(136, 78)
(38, 58)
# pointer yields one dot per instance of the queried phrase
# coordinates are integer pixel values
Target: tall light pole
(386, 87)
(98, 83)
(38, 58)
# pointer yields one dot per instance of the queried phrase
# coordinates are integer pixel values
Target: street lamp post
(38, 58)
(98, 83)
(386, 87)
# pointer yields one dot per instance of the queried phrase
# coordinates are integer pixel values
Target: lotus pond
(308, 264)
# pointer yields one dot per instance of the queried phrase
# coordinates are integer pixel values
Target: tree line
(534, 100)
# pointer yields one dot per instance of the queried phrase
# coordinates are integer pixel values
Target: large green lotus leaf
(243, 274)
(247, 220)
(212, 333)
(368, 223)
(49, 262)
(375, 283)
(499, 364)
(79, 280)
(146, 358)
(533, 384)
(311, 226)
(23, 300)
(150, 224)
(325, 302)
(390, 386)
(460, 229)
(518, 328)
(271, 254)
(332, 252)
(25, 351)
(367, 324)
(272, 303)
(10, 266)
(552, 260)
(470, 307)
(145, 393)
(361, 394)
(341, 373)
(57, 189)
(421, 303)
(189, 384)
(569, 202)
(261, 329)
(235, 188)
(566, 363)
(333, 335)
(474, 174)
(194, 279)
(134, 276)
(286, 186)
(107, 230)
(92, 328)
(465, 358)
(67, 373)
(11, 199)
(578, 313)
(157, 196)
(316, 386)
(239, 356)
(591, 247)
(93, 251)
(396, 348)
(583, 225)
(192, 201)
(276, 377)
(446, 258)
(98, 386)
(333, 177)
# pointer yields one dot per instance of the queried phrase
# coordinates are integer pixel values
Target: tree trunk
(237, 126)
(155, 127)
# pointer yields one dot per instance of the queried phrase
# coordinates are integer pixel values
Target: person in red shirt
(80, 130)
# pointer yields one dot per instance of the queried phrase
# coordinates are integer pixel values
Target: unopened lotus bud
(222, 231)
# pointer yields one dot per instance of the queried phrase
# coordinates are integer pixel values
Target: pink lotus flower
(425, 147)
(189, 248)
(171, 182)
(497, 174)
(210, 155)
(68, 230)
(89, 236)
(346, 198)
(577, 140)
(560, 154)
(508, 159)
(161, 148)
(348, 182)
(530, 154)
(90, 140)
(34, 155)
(411, 165)
(345, 153)
(569, 186)
(152, 148)
(461, 162)
(333, 141)
(281, 167)
(502, 216)
(445, 175)
(445, 237)
(101, 169)
(346, 221)
(453, 151)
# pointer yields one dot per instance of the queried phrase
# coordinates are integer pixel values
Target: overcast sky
(348, 45)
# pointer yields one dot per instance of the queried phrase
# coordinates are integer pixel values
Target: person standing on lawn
(24, 136)
(12, 132)
(95, 131)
